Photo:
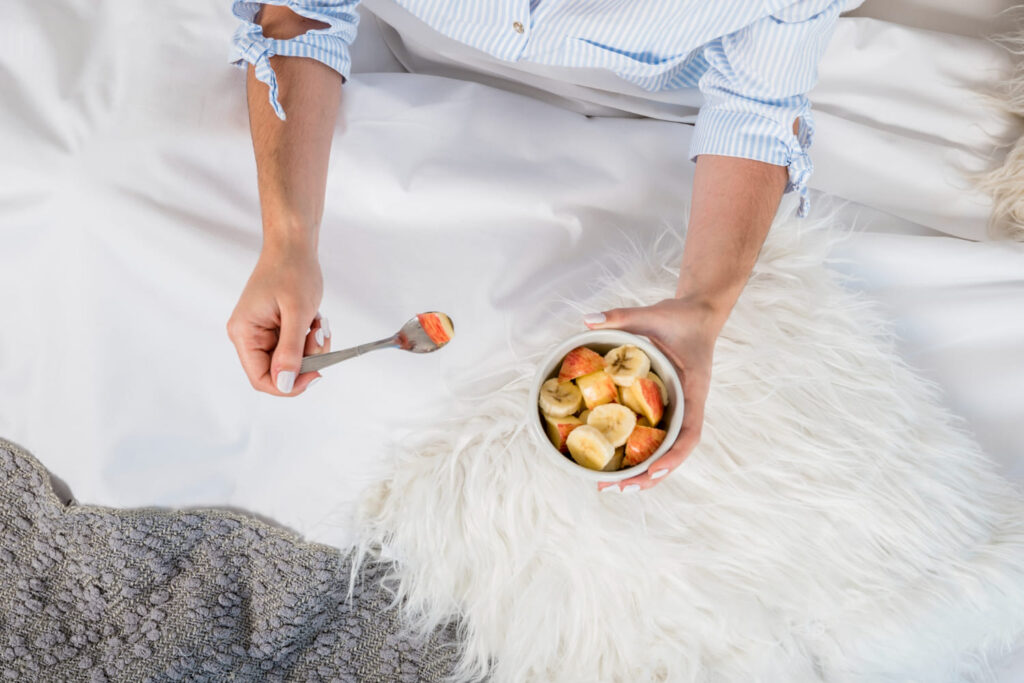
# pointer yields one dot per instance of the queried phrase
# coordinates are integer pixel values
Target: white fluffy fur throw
(1006, 182)
(833, 524)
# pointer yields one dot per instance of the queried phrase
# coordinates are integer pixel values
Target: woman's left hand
(684, 330)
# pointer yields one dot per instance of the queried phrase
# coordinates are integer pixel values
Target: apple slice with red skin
(641, 444)
(438, 327)
(579, 362)
(558, 429)
(597, 389)
(646, 394)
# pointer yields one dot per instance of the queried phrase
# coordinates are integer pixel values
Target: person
(738, 71)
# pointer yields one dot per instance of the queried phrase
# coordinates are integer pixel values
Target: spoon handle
(322, 360)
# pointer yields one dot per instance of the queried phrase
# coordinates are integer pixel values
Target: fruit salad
(604, 411)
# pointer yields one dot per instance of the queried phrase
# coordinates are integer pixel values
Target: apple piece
(579, 362)
(558, 429)
(647, 395)
(641, 444)
(438, 327)
(597, 389)
(661, 385)
(616, 462)
(626, 399)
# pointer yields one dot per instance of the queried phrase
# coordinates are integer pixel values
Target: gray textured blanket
(96, 594)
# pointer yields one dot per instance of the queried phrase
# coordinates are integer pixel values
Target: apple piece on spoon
(438, 326)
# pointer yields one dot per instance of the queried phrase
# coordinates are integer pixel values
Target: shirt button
(518, 27)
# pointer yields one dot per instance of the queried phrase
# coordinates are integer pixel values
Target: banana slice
(559, 400)
(615, 421)
(583, 416)
(661, 385)
(625, 363)
(589, 448)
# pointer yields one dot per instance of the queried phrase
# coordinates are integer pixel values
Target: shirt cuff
(329, 46)
(750, 135)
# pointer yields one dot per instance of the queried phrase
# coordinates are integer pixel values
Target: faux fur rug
(1005, 183)
(834, 523)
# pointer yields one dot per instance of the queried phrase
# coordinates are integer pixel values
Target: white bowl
(603, 341)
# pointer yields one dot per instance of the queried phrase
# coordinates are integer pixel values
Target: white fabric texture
(977, 18)
(832, 525)
(129, 223)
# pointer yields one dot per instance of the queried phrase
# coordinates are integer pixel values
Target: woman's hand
(684, 330)
(276, 322)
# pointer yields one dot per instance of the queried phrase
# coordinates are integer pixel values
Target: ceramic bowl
(603, 341)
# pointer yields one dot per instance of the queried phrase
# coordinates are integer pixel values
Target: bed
(130, 221)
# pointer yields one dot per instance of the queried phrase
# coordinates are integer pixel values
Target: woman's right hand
(276, 321)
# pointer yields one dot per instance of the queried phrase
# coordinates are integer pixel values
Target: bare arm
(292, 155)
(280, 301)
(734, 202)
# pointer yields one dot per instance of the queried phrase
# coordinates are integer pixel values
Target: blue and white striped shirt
(753, 60)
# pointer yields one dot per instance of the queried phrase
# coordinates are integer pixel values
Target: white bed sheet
(976, 18)
(129, 222)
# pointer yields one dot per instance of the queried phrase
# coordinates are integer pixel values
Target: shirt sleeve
(756, 87)
(327, 45)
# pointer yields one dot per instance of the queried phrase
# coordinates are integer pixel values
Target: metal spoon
(412, 337)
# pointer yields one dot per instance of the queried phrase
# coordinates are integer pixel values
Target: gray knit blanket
(97, 594)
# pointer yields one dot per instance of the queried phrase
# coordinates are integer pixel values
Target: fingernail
(659, 474)
(594, 318)
(319, 336)
(613, 487)
(326, 327)
(632, 488)
(285, 381)
(313, 381)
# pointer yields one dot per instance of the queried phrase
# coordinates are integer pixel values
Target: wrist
(287, 237)
(716, 303)
(718, 293)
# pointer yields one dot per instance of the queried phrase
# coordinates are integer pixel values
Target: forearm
(292, 155)
(734, 202)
